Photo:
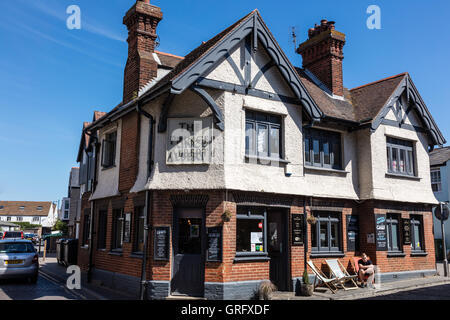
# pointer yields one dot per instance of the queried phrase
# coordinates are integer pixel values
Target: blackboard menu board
(352, 233)
(297, 229)
(381, 232)
(214, 252)
(406, 231)
(127, 228)
(161, 243)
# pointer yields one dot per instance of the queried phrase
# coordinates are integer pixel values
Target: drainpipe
(91, 217)
(147, 209)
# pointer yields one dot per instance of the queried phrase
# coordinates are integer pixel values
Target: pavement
(51, 270)
(435, 288)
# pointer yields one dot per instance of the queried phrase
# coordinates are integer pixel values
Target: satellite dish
(442, 214)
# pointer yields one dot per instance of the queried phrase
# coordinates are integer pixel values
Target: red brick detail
(141, 20)
(129, 151)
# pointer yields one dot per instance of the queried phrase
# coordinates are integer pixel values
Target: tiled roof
(30, 208)
(168, 60)
(440, 156)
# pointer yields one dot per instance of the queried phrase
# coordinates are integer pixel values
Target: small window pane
(323, 234)
(326, 153)
(250, 138)
(316, 150)
(395, 237)
(307, 151)
(410, 162)
(262, 140)
(416, 229)
(389, 159)
(334, 235)
(394, 159)
(402, 163)
(275, 142)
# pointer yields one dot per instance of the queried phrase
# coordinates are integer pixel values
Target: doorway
(188, 248)
(278, 248)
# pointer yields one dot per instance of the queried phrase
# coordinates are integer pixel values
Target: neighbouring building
(38, 213)
(8, 226)
(242, 165)
(440, 178)
(70, 210)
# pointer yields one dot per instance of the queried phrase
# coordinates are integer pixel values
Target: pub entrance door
(277, 238)
(188, 248)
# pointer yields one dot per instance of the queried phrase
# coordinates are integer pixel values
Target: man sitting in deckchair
(365, 268)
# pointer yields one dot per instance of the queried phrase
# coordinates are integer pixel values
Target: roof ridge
(378, 81)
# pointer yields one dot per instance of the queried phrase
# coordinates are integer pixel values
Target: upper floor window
(322, 148)
(400, 156)
(436, 183)
(39, 208)
(35, 219)
(22, 208)
(263, 135)
(109, 150)
(8, 218)
(19, 219)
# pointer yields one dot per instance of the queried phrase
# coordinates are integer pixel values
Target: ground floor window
(392, 223)
(102, 222)
(118, 230)
(417, 243)
(250, 231)
(86, 227)
(326, 233)
(139, 227)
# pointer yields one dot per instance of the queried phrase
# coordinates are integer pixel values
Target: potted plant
(311, 220)
(266, 289)
(226, 216)
(307, 288)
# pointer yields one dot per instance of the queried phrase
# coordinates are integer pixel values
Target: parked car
(10, 235)
(32, 237)
(1, 235)
(18, 259)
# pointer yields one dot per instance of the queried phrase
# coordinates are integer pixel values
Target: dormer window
(400, 156)
(109, 150)
(22, 208)
(39, 208)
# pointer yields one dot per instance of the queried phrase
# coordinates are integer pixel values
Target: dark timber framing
(415, 101)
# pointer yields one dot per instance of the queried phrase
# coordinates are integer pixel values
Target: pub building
(230, 166)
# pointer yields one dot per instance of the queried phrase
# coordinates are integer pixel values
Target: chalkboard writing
(297, 229)
(381, 232)
(127, 228)
(406, 231)
(352, 233)
(161, 243)
(214, 244)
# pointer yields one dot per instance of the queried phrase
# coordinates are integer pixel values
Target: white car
(18, 259)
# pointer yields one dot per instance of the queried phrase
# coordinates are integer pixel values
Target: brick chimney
(322, 55)
(141, 21)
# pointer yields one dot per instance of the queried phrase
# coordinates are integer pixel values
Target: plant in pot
(311, 220)
(307, 287)
(266, 289)
(226, 216)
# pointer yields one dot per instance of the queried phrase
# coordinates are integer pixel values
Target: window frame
(251, 117)
(324, 137)
(114, 243)
(258, 217)
(102, 229)
(109, 149)
(417, 220)
(401, 145)
(436, 181)
(329, 218)
(139, 216)
(393, 220)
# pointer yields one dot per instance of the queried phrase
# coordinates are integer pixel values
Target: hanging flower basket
(311, 220)
(226, 216)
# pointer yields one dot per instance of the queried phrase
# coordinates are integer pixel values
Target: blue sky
(53, 78)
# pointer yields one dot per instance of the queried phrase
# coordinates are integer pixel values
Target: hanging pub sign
(297, 229)
(214, 253)
(127, 228)
(381, 232)
(190, 141)
(352, 233)
(161, 243)
(406, 231)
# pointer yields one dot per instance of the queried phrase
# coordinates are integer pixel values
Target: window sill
(137, 255)
(419, 254)
(246, 258)
(84, 247)
(396, 255)
(107, 168)
(321, 169)
(327, 254)
(402, 176)
(115, 253)
(266, 159)
(102, 249)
